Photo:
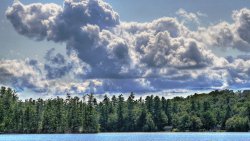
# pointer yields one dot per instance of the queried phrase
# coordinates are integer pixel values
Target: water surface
(130, 137)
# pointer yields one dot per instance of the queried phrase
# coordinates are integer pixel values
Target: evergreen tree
(200, 112)
(120, 114)
(130, 122)
(91, 123)
(104, 112)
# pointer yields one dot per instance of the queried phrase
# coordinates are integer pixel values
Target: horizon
(50, 48)
(99, 97)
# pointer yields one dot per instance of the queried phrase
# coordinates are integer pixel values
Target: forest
(217, 111)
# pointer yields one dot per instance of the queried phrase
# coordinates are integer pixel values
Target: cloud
(242, 23)
(34, 20)
(57, 23)
(58, 66)
(105, 54)
(225, 35)
(90, 27)
(22, 75)
(189, 16)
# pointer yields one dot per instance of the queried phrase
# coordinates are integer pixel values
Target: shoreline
(124, 133)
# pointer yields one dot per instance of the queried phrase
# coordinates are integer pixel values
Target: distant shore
(217, 111)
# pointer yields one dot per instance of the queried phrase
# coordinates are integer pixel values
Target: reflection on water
(131, 137)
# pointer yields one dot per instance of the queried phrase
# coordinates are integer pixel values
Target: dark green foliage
(218, 110)
(120, 114)
(208, 120)
(187, 122)
(237, 124)
(149, 125)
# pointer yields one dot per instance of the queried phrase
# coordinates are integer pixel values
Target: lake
(130, 137)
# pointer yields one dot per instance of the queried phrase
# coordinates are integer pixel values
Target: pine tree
(130, 122)
(120, 113)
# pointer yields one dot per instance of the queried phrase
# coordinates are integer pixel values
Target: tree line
(217, 111)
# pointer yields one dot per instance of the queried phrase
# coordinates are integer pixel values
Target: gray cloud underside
(105, 54)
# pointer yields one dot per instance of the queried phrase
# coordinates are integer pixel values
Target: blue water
(131, 137)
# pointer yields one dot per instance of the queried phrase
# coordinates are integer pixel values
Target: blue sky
(206, 46)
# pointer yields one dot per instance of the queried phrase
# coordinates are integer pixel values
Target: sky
(166, 47)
